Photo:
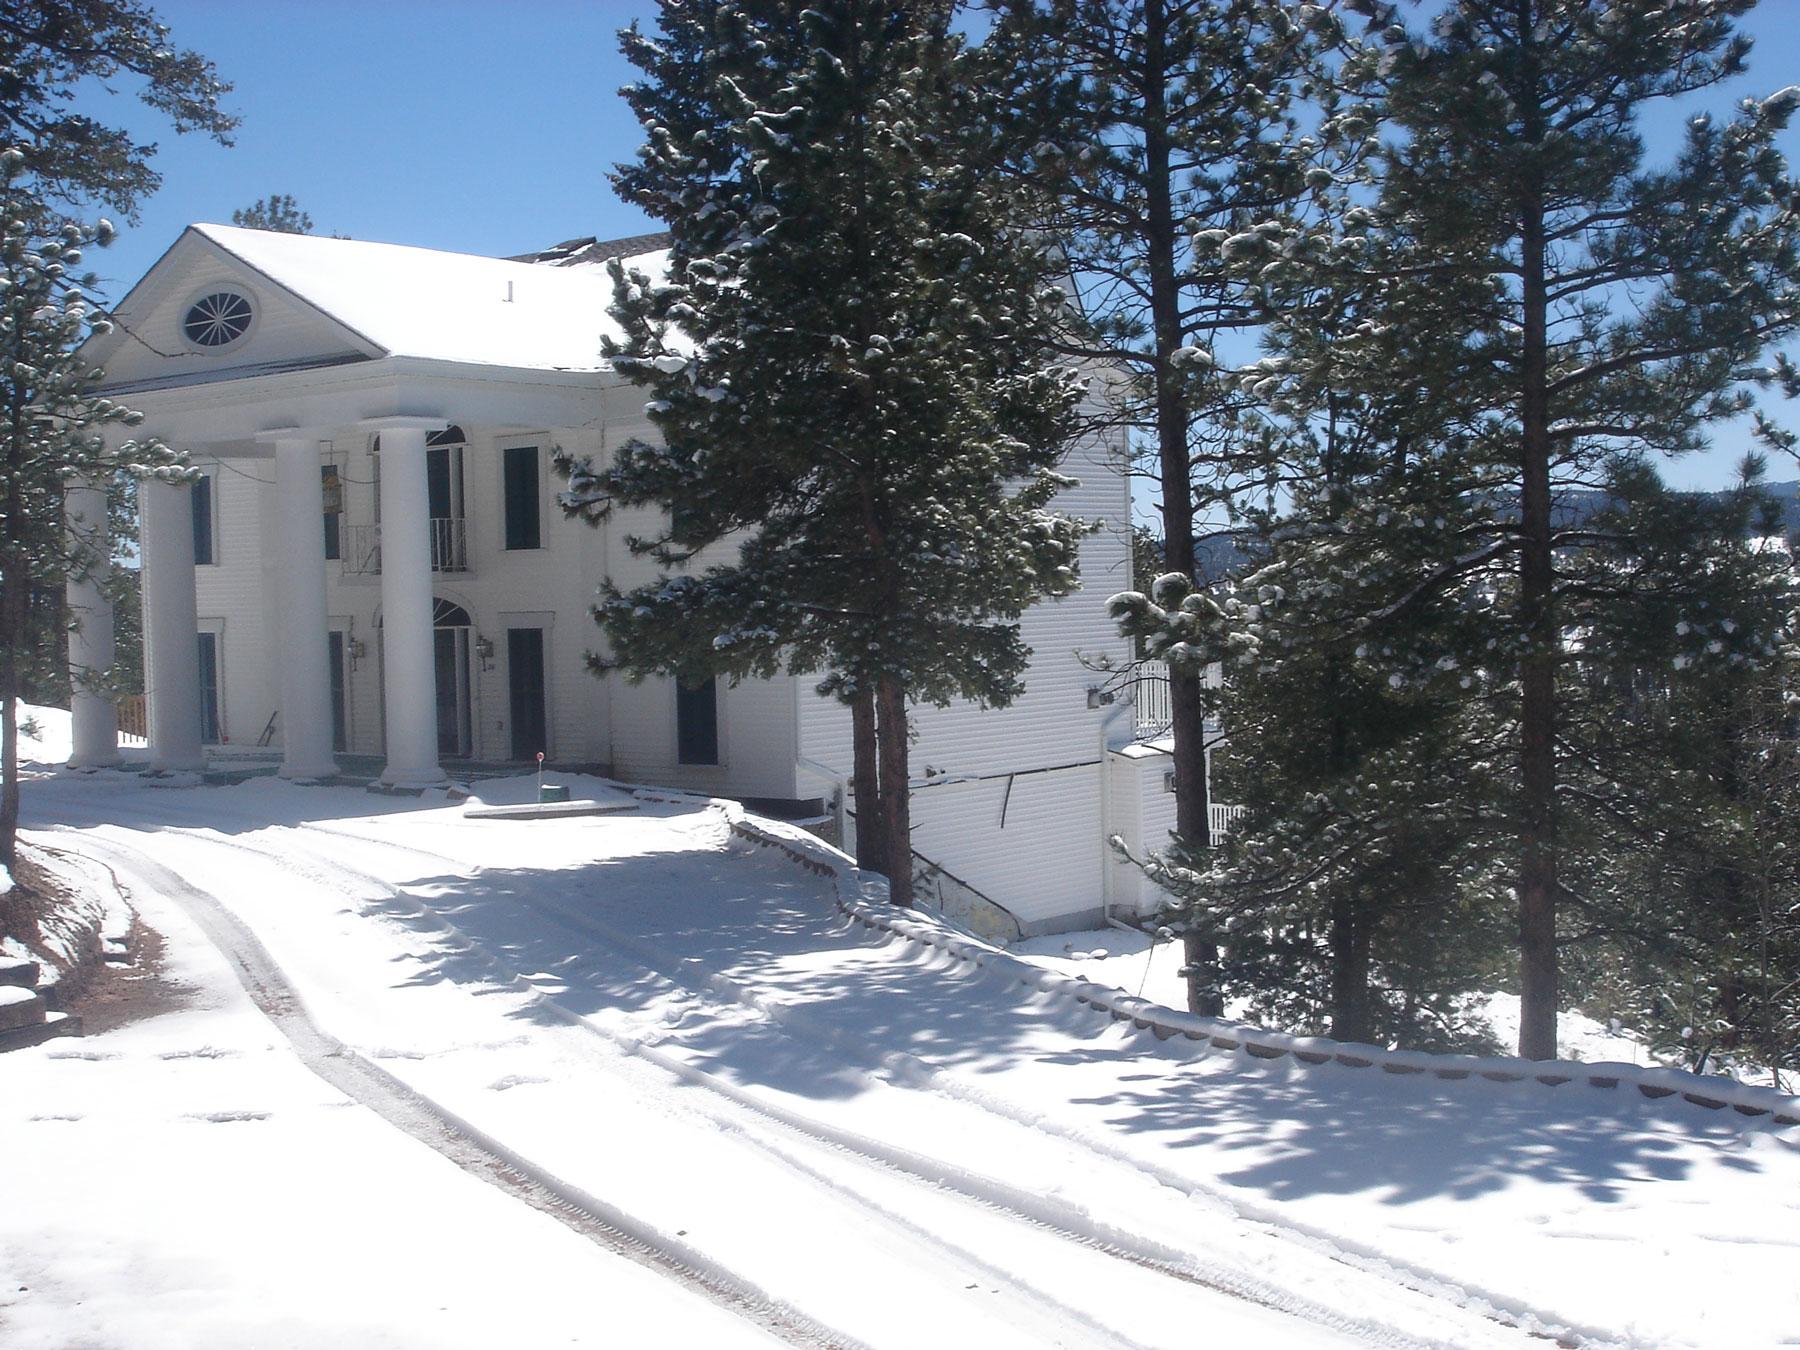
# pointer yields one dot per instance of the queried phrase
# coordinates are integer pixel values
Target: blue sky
(481, 128)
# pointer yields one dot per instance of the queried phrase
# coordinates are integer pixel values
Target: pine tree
(849, 370)
(1704, 924)
(1621, 312)
(1342, 896)
(51, 433)
(277, 211)
(57, 55)
(1146, 125)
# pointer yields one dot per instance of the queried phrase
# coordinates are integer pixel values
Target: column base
(308, 773)
(101, 761)
(434, 776)
(177, 766)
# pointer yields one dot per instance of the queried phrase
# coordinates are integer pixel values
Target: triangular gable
(324, 301)
(148, 345)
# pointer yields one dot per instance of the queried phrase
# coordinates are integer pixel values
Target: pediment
(203, 315)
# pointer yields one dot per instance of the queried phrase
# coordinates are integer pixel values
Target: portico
(327, 537)
(286, 461)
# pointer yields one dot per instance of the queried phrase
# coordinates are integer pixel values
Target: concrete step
(54, 1024)
(19, 971)
(20, 1007)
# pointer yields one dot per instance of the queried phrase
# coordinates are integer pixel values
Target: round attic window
(218, 319)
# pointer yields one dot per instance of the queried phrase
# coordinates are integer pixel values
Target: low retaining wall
(864, 899)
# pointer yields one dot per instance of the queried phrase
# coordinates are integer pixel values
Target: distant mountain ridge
(1219, 556)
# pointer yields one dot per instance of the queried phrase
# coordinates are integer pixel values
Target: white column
(94, 714)
(172, 675)
(305, 669)
(408, 674)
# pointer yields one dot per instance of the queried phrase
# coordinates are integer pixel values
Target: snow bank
(1657, 1084)
(45, 735)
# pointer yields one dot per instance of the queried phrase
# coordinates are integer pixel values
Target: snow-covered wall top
(441, 306)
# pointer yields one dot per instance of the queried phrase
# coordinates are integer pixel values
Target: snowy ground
(624, 1080)
(1135, 963)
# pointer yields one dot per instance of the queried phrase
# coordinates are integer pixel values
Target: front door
(525, 691)
(450, 661)
(211, 732)
(340, 693)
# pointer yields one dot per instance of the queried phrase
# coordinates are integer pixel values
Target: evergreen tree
(1147, 124)
(848, 366)
(55, 56)
(51, 433)
(1524, 263)
(1342, 895)
(1705, 954)
(277, 211)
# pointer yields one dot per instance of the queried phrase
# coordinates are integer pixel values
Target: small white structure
(374, 565)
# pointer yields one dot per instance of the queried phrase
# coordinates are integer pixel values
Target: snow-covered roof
(421, 302)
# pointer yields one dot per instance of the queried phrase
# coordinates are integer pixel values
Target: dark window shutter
(520, 486)
(203, 520)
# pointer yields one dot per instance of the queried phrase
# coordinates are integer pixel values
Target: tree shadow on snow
(741, 965)
(739, 962)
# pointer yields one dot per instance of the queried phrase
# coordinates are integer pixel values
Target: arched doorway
(451, 634)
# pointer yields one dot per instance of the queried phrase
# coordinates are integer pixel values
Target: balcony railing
(449, 547)
(1152, 715)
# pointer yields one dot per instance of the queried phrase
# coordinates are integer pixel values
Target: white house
(374, 566)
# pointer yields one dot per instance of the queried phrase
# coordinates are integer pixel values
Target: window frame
(717, 730)
(503, 451)
(200, 294)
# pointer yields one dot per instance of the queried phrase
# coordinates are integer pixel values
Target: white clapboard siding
(1035, 849)
(1048, 864)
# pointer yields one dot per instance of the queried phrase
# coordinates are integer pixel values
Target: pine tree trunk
(1201, 957)
(1350, 951)
(871, 817)
(9, 794)
(1537, 667)
(1193, 823)
(14, 600)
(895, 787)
(1350, 937)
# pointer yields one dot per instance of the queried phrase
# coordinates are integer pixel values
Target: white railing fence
(1152, 715)
(449, 547)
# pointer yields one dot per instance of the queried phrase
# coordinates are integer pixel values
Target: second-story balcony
(449, 547)
(1153, 715)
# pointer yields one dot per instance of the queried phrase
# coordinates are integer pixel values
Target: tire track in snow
(1030, 1306)
(906, 1071)
(440, 1129)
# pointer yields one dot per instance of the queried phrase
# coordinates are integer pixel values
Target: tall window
(519, 487)
(697, 722)
(210, 726)
(202, 498)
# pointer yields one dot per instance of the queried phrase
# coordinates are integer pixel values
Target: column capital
(292, 435)
(402, 422)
